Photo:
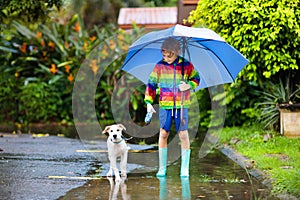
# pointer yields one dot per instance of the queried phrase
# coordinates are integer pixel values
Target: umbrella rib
(140, 50)
(154, 41)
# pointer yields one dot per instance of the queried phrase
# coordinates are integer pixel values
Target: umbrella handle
(181, 114)
(182, 121)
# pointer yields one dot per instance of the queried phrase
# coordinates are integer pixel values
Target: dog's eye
(118, 130)
(111, 130)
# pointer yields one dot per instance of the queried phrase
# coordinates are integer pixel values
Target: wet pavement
(26, 163)
(214, 177)
(55, 167)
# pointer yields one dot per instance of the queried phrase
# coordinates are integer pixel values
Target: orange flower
(39, 35)
(43, 43)
(93, 38)
(53, 69)
(112, 44)
(67, 45)
(120, 37)
(124, 47)
(77, 27)
(23, 48)
(94, 66)
(67, 68)
(70, 78)
(51, 45)
(104, 52)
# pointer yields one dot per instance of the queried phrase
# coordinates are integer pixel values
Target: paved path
(48, 167)
(27, 164)
(55, 167)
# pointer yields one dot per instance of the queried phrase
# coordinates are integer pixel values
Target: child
(175, 77)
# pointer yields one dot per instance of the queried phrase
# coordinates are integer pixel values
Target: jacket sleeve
(152, 86)
(194, 78)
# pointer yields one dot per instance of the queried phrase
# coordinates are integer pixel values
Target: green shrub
(41, 63)
(273, 95)
(39, 101)
(265, 32)
(8, 97)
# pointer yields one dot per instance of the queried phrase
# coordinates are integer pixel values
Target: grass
(278, 157)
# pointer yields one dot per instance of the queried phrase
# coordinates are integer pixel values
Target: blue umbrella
(216, 61)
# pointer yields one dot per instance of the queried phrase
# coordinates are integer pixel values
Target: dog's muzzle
(116, 142)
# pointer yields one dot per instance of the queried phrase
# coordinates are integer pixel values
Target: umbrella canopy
(216, 61)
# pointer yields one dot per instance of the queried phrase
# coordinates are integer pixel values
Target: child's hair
(171, 44)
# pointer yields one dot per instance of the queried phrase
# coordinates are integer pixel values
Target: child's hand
(150, 108)
(184, 86)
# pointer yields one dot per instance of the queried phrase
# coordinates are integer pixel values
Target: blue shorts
(166, 116)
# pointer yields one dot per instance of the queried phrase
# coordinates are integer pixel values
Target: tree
(95, 12)
(265, 31)
(101, 12)
(27, 10)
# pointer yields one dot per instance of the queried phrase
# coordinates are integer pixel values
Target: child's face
(169, 56)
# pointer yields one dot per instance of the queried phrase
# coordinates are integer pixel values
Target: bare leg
(184, 138)
(163, 138)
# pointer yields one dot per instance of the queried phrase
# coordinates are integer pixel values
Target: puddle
(212, 177)
(166, 188)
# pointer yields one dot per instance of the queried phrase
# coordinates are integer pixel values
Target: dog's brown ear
(122, 126)
(106, 129)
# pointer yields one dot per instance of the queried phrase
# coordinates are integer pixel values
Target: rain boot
(163, 156)
(185, 162)
(186, 191)
(163, 189)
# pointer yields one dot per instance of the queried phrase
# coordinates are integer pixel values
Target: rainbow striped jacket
(166, 77)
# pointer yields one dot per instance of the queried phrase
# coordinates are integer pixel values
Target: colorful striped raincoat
(167, 78)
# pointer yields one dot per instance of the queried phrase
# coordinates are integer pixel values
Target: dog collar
(117, 142)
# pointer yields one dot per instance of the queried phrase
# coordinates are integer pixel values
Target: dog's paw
(109, 174)
(124, 175)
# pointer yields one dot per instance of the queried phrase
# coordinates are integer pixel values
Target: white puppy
(117, 147)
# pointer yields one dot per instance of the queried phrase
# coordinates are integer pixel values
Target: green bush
(39, 101)
(273, 95)
(30, 11)
(240, 100)
(265, 32)
(39, 66)
(8, 97)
